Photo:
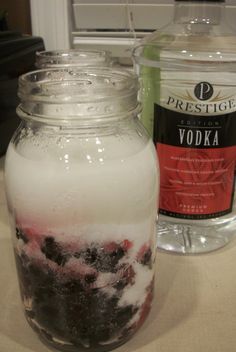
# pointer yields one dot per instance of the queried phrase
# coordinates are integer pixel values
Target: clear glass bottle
(81, 182)
(72, 57)
(188, 73)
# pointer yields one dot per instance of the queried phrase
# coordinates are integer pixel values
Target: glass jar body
(82, 203)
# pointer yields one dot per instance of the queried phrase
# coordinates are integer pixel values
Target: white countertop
(194, 308)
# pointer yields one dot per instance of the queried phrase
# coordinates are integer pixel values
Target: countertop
(194, 307)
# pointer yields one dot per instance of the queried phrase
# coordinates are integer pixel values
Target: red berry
(145, 309)
(126, 245)
(110, 247)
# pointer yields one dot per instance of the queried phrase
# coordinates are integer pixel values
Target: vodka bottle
(188, 91)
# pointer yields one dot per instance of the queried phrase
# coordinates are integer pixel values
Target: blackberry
(30, 314)
(53, 251)
(125, 314)
(144, 256)
(90, 255)
(51, 316)
(23, 273)
(147, 258)
(102, 260)
(46, 335)
(117, 254)
(21, 235)
(69, 308)
(127, 277)
(93, 318)
(90, 278)
(35, 271)
(70, 287)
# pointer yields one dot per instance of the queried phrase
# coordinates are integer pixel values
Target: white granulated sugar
(136, 294)
(113, 198)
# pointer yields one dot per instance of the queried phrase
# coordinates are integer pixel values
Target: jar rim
(91, 93)
(39, 84)
(81, 57)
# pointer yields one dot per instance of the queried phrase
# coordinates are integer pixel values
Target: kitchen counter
(194, 308)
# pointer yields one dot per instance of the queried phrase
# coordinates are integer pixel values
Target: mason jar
(81, 180)
(72, 57)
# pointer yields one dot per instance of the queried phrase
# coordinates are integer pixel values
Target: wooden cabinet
(18, 15)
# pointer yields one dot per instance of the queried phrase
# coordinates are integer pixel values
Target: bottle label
(195, 137)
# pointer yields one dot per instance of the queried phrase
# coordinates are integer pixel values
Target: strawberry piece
(126, 245)
(145, 309)
(110, 247)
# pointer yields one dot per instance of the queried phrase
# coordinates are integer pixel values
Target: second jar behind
(72, 58)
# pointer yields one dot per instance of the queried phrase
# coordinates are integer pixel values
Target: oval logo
(203, 91)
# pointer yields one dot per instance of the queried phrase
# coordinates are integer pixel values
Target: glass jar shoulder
(47, 178)
(85, 146)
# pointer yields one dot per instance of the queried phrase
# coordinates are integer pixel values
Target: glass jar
(81, 180)
(72, 57)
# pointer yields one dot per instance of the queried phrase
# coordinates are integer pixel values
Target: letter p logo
(203, 91)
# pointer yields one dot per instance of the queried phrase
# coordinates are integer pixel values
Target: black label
(194, 131)
(197, 163)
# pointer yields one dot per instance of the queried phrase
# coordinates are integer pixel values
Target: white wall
(53, 20)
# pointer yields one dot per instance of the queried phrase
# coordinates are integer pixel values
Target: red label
(196, 183)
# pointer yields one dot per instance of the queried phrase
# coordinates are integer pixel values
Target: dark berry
(70, 308)
(147, 258)
(39, 275)
(103, 333)
(102, 260)
(125, 314)
(90, 278)
(77, 255)
(25, 259)
(70, 287)
(53, 251)
(145, 255)
(23, 273)
(21, 235)
(90, 255)
(127, 277)
(117, 254)
(46, 335)
(30, 314)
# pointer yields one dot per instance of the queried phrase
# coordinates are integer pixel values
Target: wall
(51, 19)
